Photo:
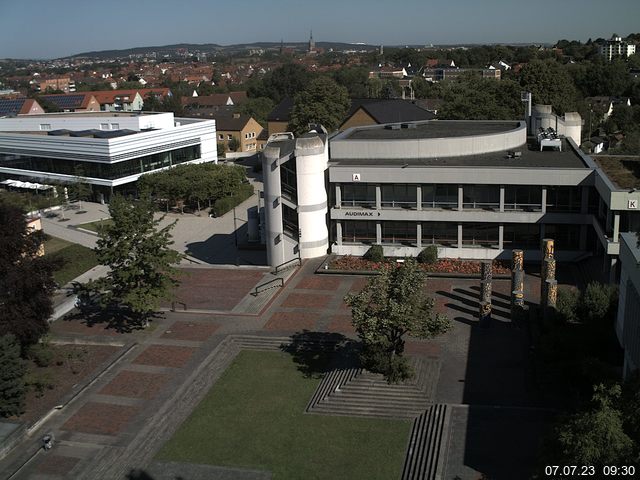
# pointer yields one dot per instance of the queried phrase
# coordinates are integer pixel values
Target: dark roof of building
(66, 101)
(530, 157)
(433, 129)
(390, 110)
(233, 123)
(282, 111)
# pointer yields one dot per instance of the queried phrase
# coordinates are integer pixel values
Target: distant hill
(214, 48)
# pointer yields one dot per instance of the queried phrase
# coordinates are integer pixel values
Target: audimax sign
(359, 213)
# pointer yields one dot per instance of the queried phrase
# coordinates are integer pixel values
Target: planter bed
(446, 267)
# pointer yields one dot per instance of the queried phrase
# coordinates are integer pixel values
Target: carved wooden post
(517, 278)
(547, 253)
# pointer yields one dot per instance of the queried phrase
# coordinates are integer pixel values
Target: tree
(26, 280)
(12, 371)
(81, 189)
(258, 108)
(284, 81)
(391, 306)
(322, 102)
(550, 84)
(354, 79)
(139, 257)
(595, 437)
(233, 144)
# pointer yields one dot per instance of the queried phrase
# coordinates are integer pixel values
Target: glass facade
(521, 235)
(440, 233)
(399, 233)
(439, 196)
(481, 197)
(564, 199)
(399, 195)
(290, 221)
(524, 198)
(288, 180)
(480, 235)
(358, 232)
(107, 171)
(359, 195)
(567, 237)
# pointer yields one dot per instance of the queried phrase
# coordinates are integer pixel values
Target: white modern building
(616, 47)
(476, 189)
(112, 150)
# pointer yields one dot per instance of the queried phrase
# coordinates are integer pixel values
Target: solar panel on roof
(65, 101)
(11, 107)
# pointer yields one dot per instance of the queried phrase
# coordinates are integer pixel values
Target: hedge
(223, 205)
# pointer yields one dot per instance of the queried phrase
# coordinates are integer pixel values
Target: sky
(57, 28)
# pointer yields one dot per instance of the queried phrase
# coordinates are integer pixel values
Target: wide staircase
(357, 392)
(428, 444)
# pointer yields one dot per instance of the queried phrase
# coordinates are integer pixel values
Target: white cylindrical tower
(273, 204)
(312, 159)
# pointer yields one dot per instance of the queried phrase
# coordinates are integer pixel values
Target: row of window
(445, 196)
(108, 171)
(515, 235)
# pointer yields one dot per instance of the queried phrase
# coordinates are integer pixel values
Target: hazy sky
(56, 28)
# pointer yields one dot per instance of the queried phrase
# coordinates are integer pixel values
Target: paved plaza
(118, 424)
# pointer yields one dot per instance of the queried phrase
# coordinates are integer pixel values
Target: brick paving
(216, 289)
(341, 324)
(320, 283)
(165, 356)
(101, 418)
(303, 300)
(56, 465)
(185, 330)
(135, 384)
(291, 321)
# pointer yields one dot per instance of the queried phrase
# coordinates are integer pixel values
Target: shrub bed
(223, 205)
(444, 265)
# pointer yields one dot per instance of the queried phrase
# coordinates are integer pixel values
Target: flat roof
(623, 171)
(431, 129)
(531, 157)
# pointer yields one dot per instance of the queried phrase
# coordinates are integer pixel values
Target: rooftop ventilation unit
(409, 125)
(512, 154)
(393, 126)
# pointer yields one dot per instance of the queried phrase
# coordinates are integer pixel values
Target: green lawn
(77, 259)
(253, 418)
(95, 226)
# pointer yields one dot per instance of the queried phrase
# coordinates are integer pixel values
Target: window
(220, 136)
(567, 237)
(229, 136)
(521, 235)
(45, 126)
(115, 126)
(399, 232)
(440, 196)
(480, 235)
(481, 197)
(399, 195)
(523, 198)
(359, 195)
(104, 126)
(440, 233)
(355, 231)
(563, 199)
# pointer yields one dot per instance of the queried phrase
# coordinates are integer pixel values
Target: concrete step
(389, 394)
(428, 444)
(349, 399)
(366, 411)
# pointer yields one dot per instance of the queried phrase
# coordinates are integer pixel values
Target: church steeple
(312, 43)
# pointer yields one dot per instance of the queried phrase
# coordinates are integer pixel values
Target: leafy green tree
(391, 306)
(258, 108)
(80, 189)
(354, 79)
(285, 81)
(322, 102)
(550, 84)
(141, 262)
(233, 144)
(12, 371)
(598, 303)
(595, 437)
(475, 98)
(26, 280)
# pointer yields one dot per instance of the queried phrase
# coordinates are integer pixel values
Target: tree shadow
(122, 320)
(317, 353)
(137, 474)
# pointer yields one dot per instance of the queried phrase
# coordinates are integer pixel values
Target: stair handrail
(286, 264)
(260, 288)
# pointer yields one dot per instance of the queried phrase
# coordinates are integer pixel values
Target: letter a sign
(355, 177)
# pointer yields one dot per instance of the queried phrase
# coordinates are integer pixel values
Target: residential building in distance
(19, 106)
(76, 102)
(375, 111)
(616, 47)
(112, 150)
(65, 84)
(243, 128)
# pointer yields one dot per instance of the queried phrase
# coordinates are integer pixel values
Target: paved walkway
(123, 419)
